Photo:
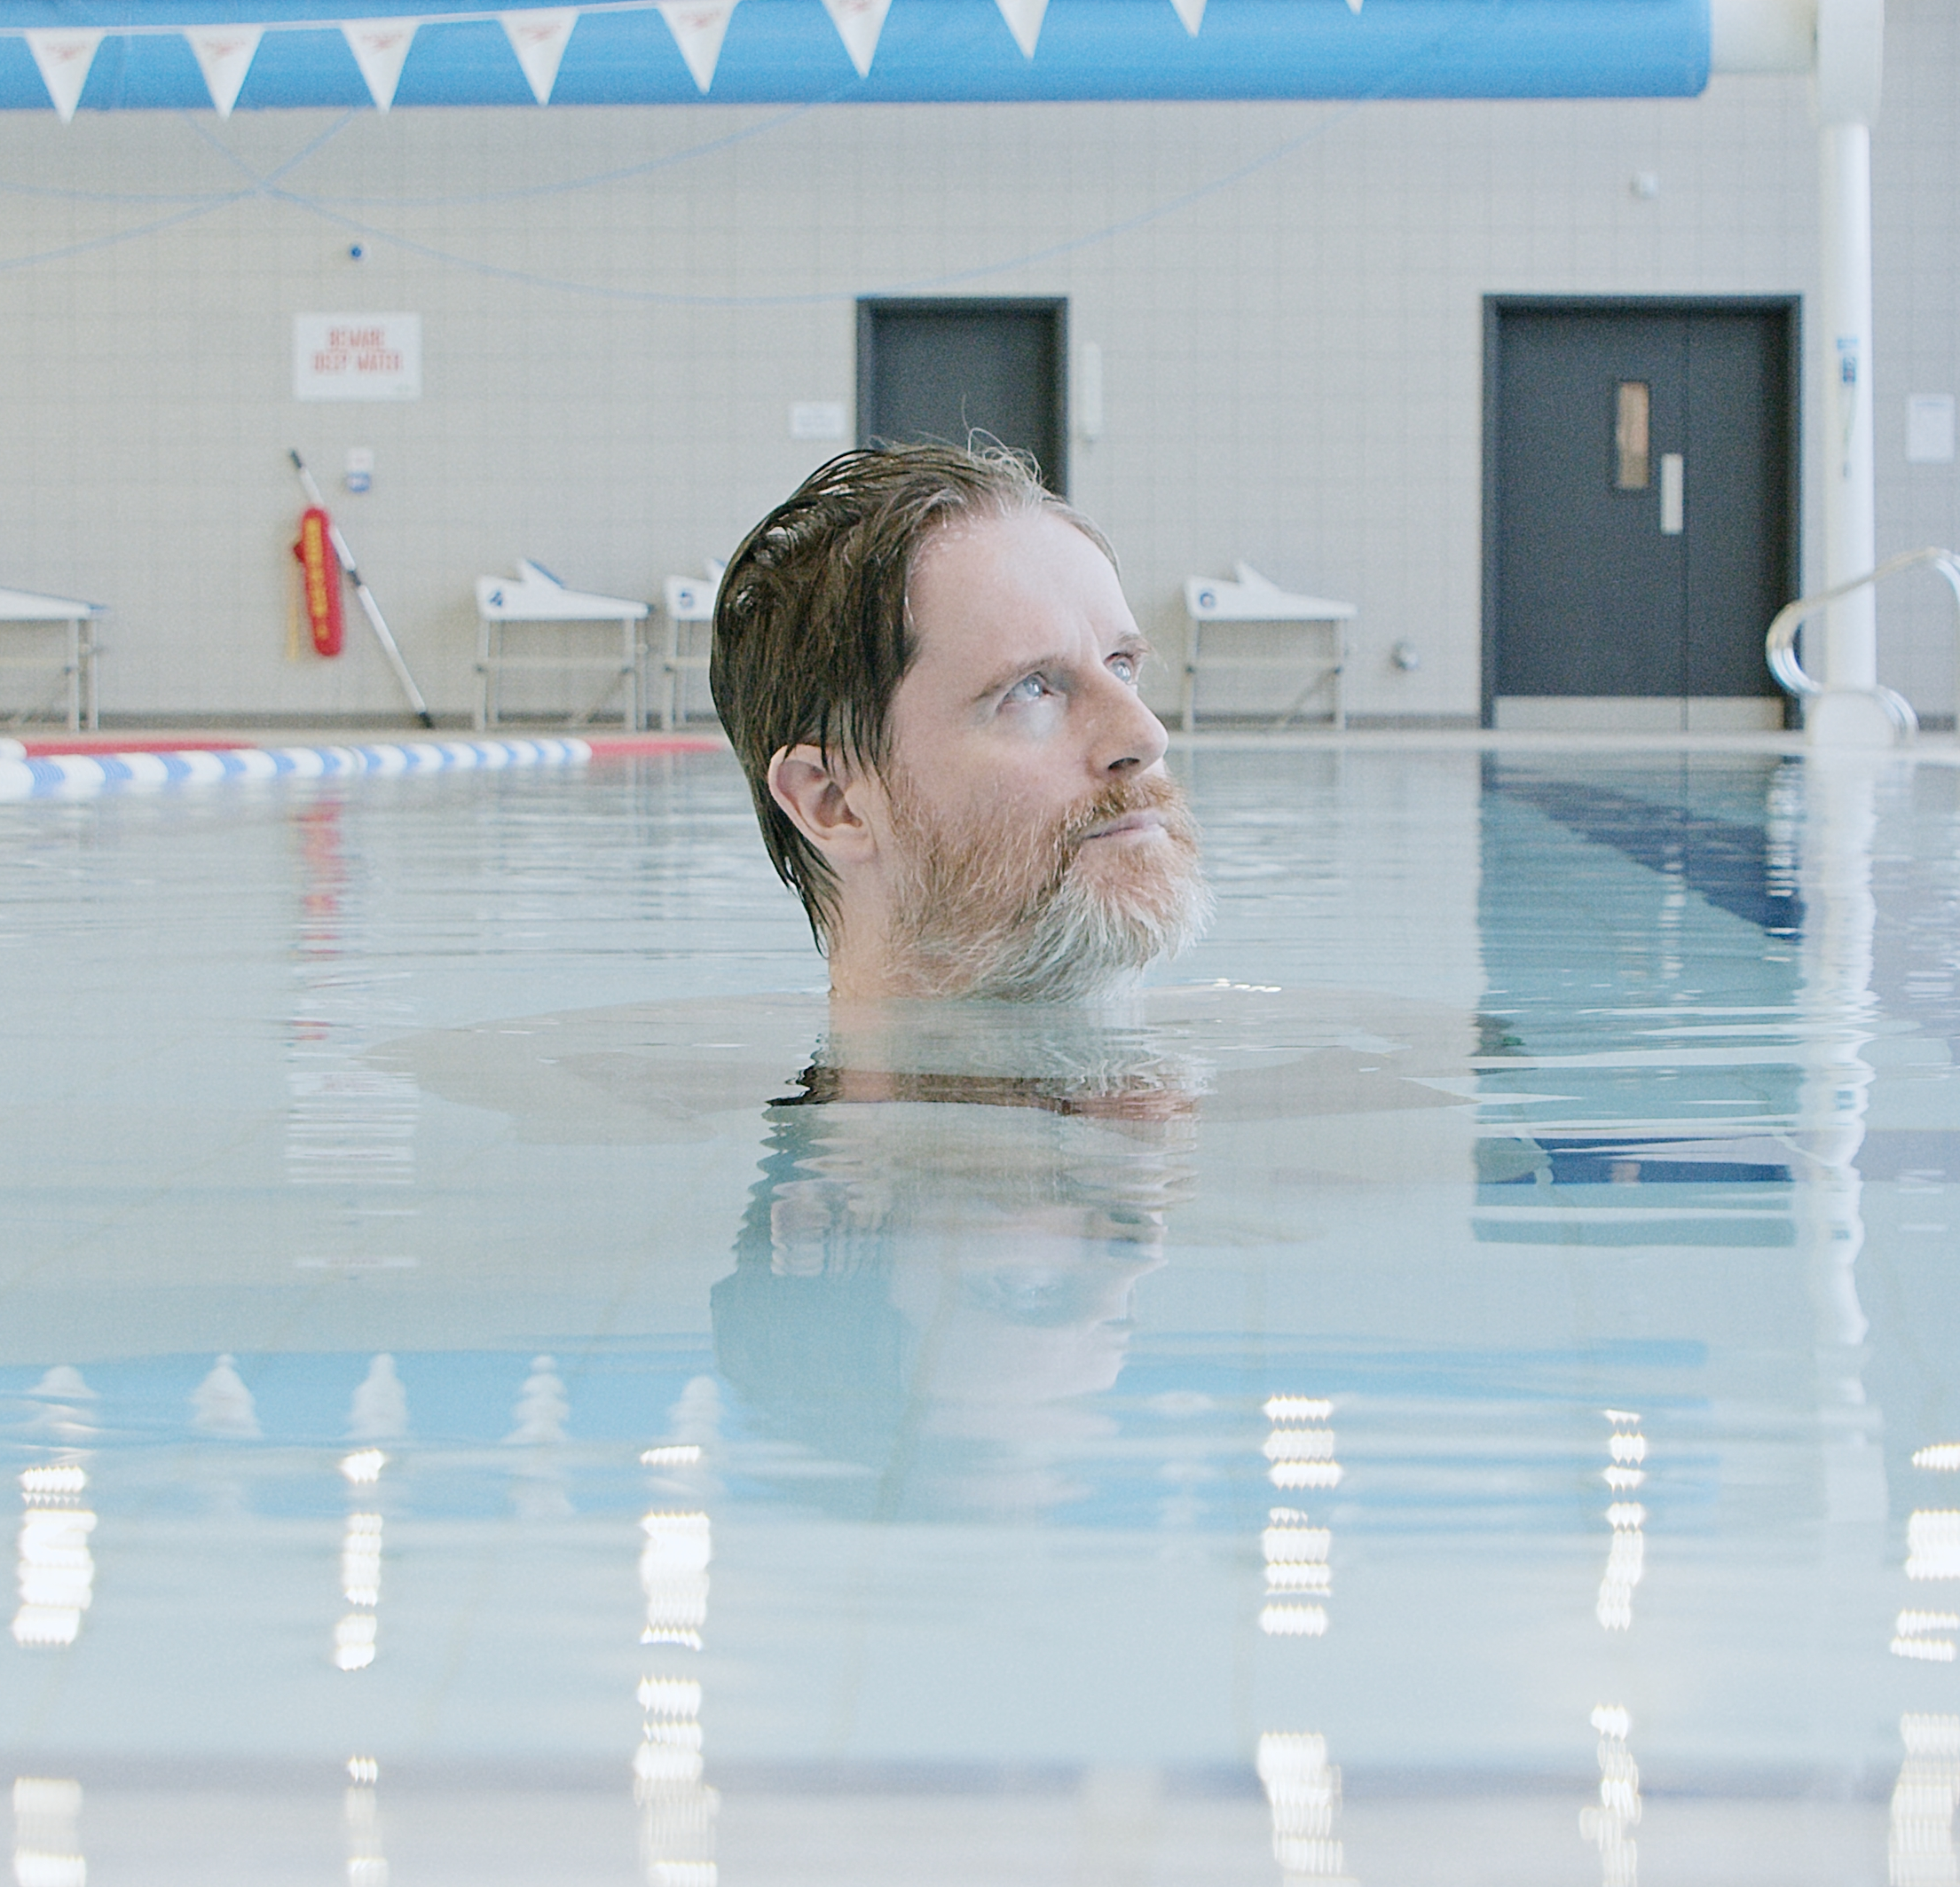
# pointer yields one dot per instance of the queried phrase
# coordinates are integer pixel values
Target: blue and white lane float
(89, 775)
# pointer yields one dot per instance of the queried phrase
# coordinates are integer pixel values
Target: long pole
(369, 607)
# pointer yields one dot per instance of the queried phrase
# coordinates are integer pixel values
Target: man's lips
(1146, 819)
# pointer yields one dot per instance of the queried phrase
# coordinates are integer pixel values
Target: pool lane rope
(89, 775)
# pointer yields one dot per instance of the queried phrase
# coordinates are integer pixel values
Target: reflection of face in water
(927, 1280)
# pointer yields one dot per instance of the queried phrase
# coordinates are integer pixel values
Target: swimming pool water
(1457, 1383)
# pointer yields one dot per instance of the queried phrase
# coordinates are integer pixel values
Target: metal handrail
(1780, 645)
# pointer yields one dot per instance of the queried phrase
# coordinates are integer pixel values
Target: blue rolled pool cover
(89, 775)
(787, 52)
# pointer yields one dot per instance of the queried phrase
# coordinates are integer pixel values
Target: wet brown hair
(812, 633)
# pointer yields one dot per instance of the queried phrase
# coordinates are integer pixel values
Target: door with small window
(1640, 511)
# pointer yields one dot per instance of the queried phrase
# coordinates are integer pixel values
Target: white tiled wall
(618, 307)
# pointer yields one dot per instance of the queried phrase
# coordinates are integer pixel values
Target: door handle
(1673, 482)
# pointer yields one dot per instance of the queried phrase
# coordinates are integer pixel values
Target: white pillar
(1850, 655)
(1850, 46)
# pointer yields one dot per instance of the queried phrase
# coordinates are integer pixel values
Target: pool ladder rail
(1780, 645)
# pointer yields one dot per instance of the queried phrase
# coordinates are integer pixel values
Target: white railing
(1781, 643)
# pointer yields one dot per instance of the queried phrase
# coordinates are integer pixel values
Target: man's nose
(1131, 739)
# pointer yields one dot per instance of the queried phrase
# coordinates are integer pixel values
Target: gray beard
(1079, 944)
(965, 928)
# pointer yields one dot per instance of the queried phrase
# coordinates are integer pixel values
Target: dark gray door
(946, 370)
(1640, 512)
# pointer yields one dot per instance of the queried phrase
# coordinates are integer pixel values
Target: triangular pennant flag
(1191, 13)
(859, 23)
(64, 57)
(539, 40)
(1024, 21)
(698, 26)
(380, 49)
(224, 55)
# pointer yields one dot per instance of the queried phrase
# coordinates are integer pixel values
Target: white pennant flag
(539, 40)
(698, 27)
(224, 55)
(64, 58)
(859, 23)
(1191, 13)
(1024, 21)
(380, 49)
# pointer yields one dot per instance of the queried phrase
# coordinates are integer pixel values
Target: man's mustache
(1153, 793)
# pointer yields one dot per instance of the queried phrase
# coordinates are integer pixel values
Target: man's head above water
(929, 673)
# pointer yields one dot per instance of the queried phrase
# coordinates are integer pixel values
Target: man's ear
(820, 796)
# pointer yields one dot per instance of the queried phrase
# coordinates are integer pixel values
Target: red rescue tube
(321, 571)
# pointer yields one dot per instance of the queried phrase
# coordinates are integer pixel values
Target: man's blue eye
(1029, 688)
(1124, 667)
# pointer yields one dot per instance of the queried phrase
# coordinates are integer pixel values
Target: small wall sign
(357, 356)
(817, 419)
(1929, 428)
